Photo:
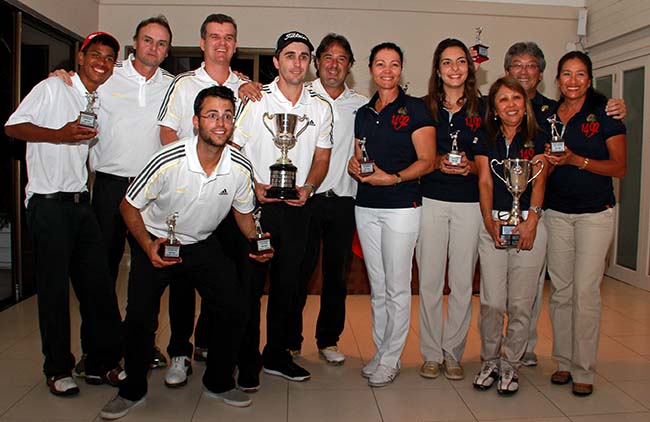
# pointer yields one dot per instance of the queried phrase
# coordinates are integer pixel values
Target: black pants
(205, 268)
(68, 248)
(288, 227)
(332, 220)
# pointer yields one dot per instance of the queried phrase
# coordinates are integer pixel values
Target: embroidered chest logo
(401, 119)
(473, 123)
(527, 153)
(590, 127)
(224, 192)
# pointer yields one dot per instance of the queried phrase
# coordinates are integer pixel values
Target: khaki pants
(577, 248)
(508, 284)
(448, 230)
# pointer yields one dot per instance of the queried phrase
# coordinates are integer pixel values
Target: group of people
(185, 161)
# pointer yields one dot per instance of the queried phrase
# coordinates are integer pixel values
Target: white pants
(388, 238)
(508, 284)
(449, 230)
(577, 248)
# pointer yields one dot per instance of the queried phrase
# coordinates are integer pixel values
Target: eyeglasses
(213, 117)
(527, 66)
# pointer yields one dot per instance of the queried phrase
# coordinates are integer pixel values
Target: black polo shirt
(389, 144)
(502, 199)
(574, 191)
(454, 187)
(544, 108)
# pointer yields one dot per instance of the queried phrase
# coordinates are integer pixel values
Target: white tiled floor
(341, 394)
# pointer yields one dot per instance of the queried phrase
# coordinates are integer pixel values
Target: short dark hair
(529, 47)
(213, 91)
(103, 39)
(159, 20)
(386, 46)
(217, 18)
(331, 39)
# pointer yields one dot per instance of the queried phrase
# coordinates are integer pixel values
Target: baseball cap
(96, 34)
(293, 36)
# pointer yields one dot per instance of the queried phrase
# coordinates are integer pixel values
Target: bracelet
(584, 164)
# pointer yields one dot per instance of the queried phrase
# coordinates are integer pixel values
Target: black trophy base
(454, 158)
(169, 252)
(260, 245)
(510, 239)
(482, 51)
(366, 168)
(282, 193)
(283, 182)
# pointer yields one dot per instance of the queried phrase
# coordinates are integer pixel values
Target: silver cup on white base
(283, 172)
(516, 176)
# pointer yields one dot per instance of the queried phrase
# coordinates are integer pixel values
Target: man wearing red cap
(58, 122)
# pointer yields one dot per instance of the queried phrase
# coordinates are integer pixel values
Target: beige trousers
(577, 248)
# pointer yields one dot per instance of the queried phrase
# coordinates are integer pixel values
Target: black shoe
(287, 369)
(80, 368)
(158, 360)
(62, 385)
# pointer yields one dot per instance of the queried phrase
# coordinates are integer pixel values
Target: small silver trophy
(261, 243)
(454, 156)
(283, 172)
(557, 143)
(516, 173)
(171, 248)
(367, 165)
(88, 118)
(481, 49)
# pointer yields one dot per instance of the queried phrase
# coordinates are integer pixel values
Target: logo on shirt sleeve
(401, 119)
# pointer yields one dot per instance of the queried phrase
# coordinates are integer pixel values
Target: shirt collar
(398, 101)
(79, 86)
(193, 164)
(203, 74)
(131, 71)
(275, 90)
(318, 87)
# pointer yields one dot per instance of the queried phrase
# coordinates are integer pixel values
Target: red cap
(94, 34)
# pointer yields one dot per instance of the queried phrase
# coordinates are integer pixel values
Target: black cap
(293, 36)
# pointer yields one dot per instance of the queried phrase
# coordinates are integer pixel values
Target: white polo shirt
(174, 181)
(344, 109)
(128, 129)
(177, 108)
(52, 167)
(257, 142)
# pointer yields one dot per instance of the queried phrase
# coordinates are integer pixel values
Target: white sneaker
(384, 375)
(508, 383)
(179, 369)
(118, 407)
(370, 367)
(332, 355)
(488, 374)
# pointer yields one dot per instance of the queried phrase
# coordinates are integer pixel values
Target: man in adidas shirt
(200, 178)
(286, 220)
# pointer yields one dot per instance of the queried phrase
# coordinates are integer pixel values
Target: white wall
(79, 16)
(416, 25)
(610, 19)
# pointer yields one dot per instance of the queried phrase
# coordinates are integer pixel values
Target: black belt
(76, 197)
(123, 179)
(327, 194)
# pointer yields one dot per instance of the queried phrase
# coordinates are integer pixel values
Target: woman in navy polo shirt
(399, 135)
(580, 219)
(508, 276)
(451, 217)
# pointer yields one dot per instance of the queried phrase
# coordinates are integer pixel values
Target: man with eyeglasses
(525, 62)
(199, 179)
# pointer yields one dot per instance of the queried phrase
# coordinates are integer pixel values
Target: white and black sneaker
(287, 369)
(488, 375)
(179, 370)
(508, 380)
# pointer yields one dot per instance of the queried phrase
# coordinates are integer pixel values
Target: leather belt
(327, 194)
(76, 197)
(114, 177)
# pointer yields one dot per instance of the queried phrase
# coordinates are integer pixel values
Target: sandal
(561, 377)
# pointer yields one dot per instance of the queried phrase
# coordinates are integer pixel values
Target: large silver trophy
(283, 172)
(516, 176)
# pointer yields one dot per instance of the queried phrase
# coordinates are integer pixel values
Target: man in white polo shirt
(198, 179)
(332, 207)
(67, 242)
(286, 220)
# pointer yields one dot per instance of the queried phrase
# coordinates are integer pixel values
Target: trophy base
(510, 239)
(88, 120)
(366, 168)
(454, 159)
(283, 181)
(260, 245)
(557, 148)
(170, 252)
(482, 51)
(282, 193)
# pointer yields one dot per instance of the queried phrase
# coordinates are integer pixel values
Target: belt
(114, 177)
(76, 197)
(327, 194)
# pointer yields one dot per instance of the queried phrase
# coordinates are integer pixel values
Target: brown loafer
(561, 377)
(580, 389)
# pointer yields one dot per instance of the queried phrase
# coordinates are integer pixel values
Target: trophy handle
(492, 162)
(538, 172)
(265, 117)
(300, 119)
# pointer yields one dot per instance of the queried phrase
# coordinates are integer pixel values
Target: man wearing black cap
(286, 220)
(58, 122)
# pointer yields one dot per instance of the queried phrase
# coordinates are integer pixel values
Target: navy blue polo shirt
(574, 191)
(501, 198)
(544, 108)
(389, 144)
(454, 187)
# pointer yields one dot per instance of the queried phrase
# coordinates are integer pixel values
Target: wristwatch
(536, 210)
(313, 189)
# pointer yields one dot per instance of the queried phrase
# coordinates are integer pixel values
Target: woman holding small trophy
(398, 140)
(512, 242)
(580, 219)
(451, 217)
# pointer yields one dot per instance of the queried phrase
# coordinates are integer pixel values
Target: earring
(495, 118)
